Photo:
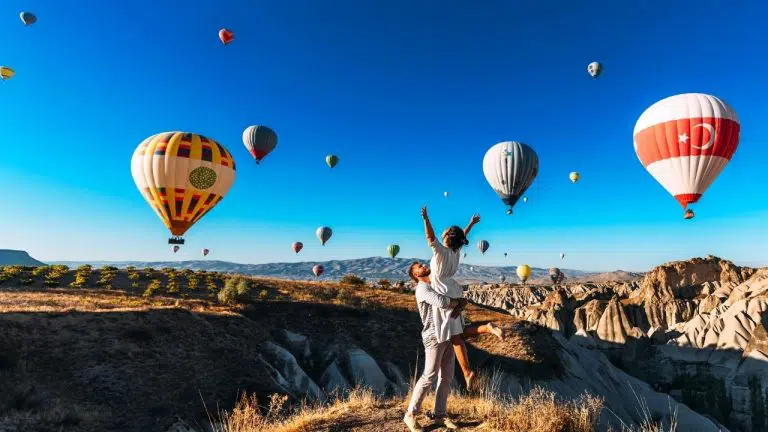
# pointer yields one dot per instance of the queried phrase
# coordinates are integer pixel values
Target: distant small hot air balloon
(297, 246)
(226, 36)
(331, 160)
(524, 272)
(205, 252)
(688, 214)
(562, 255)
(393, 250)
(324, 234)
(260, 141)
(28, 18)
(483, 246)
(556, 275)
(175, 248)
(505, 254)
(525, 199)
(445, 194)
(509, 211)
(502, 278)
(594, 69)
(465, 254)
(6, 72)
(574, 176)
(318, 270)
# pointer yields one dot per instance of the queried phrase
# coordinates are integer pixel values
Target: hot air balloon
(510, 167)
(331, 160)
(175, 248)
(465, 254)
(574, 176)
(393, 250)
(471, 269)
(182, 176)
(556, 275)
(205, 252)
(28, 18)
(595, 69)
(483, 246)
(688, 214)
(524, 272)
(260, 141)
(324, 233)
(685, 141)
(297, 246)
(226, 36)
(562, 255)
(445, 194)
(318, 270)
(525, 199)
(6, 72)
(505, 254)
(502, 278)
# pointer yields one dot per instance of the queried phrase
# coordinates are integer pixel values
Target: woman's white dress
(443, 266)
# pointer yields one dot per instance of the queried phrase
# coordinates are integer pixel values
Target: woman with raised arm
(444, 264)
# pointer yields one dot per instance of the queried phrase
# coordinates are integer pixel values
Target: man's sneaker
(410, 420)
(447, 422)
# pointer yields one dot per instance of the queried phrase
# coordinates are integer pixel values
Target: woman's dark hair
(410, 271)
(454, 238)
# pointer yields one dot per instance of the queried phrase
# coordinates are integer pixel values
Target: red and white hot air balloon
(318, 270)
(297, 246)
(226, 36)
(685, 141)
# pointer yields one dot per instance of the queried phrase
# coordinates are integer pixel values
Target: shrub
(152, 287)
(243, 286)
(192, 282)
(133, 276)
(325, 293)
(85, 268)
(130, 268)
(385, 284)
(264, 294)
(351, 279)
(40, 271)
(173, 286)
(12, 271)
(105, 279)
(346, 297)
(109, 268)
(235, 289)
(80, 281)
(134, 284)
(149, 270)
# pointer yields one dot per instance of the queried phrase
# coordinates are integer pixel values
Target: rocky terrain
(373, 268)
(695, 329)
(150, 349)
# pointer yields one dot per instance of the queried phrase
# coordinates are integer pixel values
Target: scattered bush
(152, 287)
(134, 284)
(325, 293)
(109, 268)
(133, 276)
(385, 284)
(192, 282)
(40, 271)
(85, 268)
(235, 289)
(264, 294)
(346, 297)
(12, 271)
(130, 268)
(351, 279)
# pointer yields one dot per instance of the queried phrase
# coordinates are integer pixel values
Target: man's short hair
(410, 270)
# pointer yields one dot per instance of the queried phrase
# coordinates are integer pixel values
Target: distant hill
(371, 268)
(17, 257)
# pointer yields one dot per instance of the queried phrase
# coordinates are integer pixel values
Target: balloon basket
(176, 241)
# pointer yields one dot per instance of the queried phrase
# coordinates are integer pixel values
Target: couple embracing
(440, 301)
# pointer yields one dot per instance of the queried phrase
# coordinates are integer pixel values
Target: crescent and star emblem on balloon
(712, 136)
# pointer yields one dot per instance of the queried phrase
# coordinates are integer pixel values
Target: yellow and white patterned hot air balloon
(182, 176)
(6, 73)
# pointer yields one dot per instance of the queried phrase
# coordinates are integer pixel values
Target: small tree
(351, 279)
(152, 287)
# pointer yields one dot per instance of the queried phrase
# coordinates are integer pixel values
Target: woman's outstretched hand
(424, 213)
(475, 219)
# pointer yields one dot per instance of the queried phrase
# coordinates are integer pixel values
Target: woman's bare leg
(484, 329)
(460, 348)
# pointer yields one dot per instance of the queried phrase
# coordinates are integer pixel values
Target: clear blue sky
(409, 94)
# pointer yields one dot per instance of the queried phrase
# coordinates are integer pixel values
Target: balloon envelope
(594, 69)
(524, 272)
(483, 246)
(318, 270)
(297, 246)
(331, 160)
(574, 176)
(562, 255)
(259, 141)
(28, 18)
(6, 72)
(324, 234)
(685, 141)
(182, 176)
(175, 248)
(393, 250)
(226, 36)
(510, 168)
(205, 252)
(502, 278)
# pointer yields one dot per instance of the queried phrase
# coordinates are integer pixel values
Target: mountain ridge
(369, 268)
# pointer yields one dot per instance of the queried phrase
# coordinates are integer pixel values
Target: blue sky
(409, 94)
